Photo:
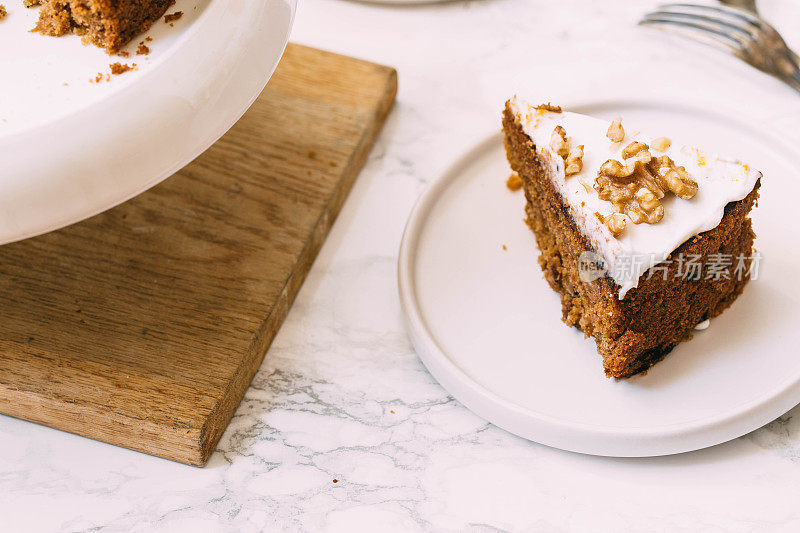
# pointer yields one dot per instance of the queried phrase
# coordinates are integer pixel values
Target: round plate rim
(545, 429)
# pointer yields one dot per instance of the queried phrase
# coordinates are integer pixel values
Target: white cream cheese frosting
(640, 246)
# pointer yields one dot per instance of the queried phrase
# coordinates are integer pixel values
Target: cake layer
(110, 24)
(634, 332)
(720, 181)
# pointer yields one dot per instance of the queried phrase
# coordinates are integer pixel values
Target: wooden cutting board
(143, 326)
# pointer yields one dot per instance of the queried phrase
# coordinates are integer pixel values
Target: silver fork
(750, 6)
(746, 35)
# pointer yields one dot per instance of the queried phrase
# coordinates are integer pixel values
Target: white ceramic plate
(488, 327)
(71, 148)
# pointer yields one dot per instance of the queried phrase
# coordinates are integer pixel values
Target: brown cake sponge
(110, 24)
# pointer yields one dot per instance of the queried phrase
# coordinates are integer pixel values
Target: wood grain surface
(143, 326)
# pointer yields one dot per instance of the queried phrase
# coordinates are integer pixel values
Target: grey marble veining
(343, 429)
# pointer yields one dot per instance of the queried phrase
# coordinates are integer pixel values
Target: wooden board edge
(218, 421)
(38, 411)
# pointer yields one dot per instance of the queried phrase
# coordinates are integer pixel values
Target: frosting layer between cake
(640, 246)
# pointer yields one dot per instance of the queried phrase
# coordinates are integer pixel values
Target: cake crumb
(514, 182)
(336, 481)
(120, 68)
(123, 53)
(504, 247)
(3, 12)
(172, 17)
(143, 49)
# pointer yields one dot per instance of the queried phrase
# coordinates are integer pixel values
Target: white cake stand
(71, 147)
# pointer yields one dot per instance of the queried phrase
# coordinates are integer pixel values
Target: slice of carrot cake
(643, 239)
(110, 24)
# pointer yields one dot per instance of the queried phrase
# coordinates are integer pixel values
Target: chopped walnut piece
(573, 157)
(674, 178)
(637, 150)
(558, 141)
(647, 199)
(574, 161)
(614, 169)
(647, 207)
(616, 133)
(681, 183)
(636, 188)
(661, 144)
(616, 223)
(615, 189)
(549, 107)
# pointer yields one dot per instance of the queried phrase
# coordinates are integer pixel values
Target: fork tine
(758, 27)
(746, 35)
(716, 23)
(695, 29)
(716, 11)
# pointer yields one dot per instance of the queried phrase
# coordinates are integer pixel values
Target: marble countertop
(343, 429)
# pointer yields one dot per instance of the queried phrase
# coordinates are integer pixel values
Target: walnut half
(636, 187)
